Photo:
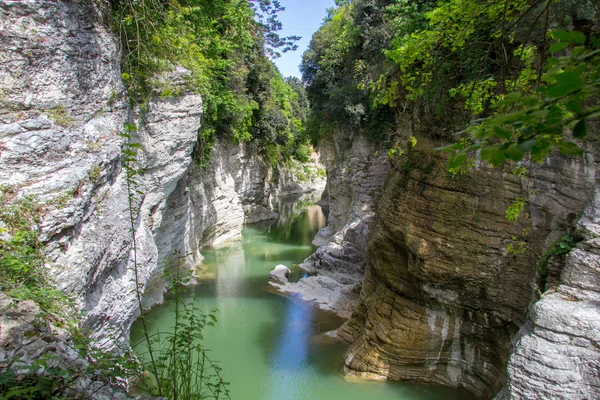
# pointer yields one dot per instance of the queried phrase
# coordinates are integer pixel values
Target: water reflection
(289, 360)
(231, 262)
(263, 341)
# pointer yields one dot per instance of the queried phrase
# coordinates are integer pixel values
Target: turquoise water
(264, 342)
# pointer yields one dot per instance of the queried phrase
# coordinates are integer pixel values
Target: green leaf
(574, 106)
(570, 79)
(493, 154)
(558, 46)
(451, 148)
(539, 152)
(456, 160)
(580, 129)
(527, 145)
(556, 91)
(569, 149)
(514, 153)
(561, 35)
(503, 132)
(577, 51)
(555, 115)
(130, 127)
(578, 37)
(529, 101)
(514, 96)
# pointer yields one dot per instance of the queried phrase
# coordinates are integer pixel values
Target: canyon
(436, 285)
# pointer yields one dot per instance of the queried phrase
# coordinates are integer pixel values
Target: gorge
(433, 278)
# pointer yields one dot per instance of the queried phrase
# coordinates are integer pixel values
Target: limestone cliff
(557, 352)
(449, 280)
(355, 176)
(63, 107)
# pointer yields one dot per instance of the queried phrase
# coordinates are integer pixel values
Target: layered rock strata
(449, 279)
(355, 177)
(557, 352)
(210, 205)
(63, 107)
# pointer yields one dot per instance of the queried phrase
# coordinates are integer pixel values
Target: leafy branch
(561, 107)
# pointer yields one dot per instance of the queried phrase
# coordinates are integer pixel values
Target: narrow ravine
(268, 345)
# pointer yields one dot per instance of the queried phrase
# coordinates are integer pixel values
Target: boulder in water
(280, 274)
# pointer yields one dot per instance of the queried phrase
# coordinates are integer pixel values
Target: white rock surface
(280, 274)
(557, 352)
(62, 107)
(25, 337)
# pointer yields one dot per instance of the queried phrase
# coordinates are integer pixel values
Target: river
(265, 342)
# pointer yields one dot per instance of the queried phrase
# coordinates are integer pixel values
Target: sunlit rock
(280, 274)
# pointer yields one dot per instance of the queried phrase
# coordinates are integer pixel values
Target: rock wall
(557, 352)
(63, 107)
(449, 280)
(355, 177)
(211, 205)
(26, 337)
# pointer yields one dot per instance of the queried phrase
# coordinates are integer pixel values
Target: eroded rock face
(211, 205)
(355, 177)
(60, 123)
(449, 279)
(25, 337)
(62, 110)
(557, 352)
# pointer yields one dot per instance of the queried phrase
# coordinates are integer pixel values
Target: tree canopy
(520, 75)
(226, 46)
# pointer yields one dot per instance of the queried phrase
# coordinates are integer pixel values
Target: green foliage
(519, 171)
(303, 153)
(441, 61)
(23, 277)
(224, 46)
(22, 271)
(461, 166)
(412, 141)
(94, 173)
(536, 122)
(515, 209)
(50, 385)
(561, 248)
(516, 247)
(395, 151)
(61, 116)
(50, 377)
(178, 362)
(342, 58)
(175, 361)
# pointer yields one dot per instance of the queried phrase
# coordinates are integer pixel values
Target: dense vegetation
(225, 46)
(525, 69)
(22, 272)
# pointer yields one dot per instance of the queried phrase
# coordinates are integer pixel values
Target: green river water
(265, 342)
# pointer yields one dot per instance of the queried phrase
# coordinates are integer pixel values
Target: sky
(301, 18)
